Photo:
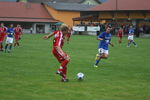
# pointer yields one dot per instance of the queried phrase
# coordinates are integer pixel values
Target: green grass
(28, 73)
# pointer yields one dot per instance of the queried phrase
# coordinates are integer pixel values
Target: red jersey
(18, 30)
(58, 39)
(120, 32)
(3, 32)
(69, 33)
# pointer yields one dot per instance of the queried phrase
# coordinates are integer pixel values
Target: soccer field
(28, 73)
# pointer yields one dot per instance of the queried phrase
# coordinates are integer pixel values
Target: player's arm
(111, 43)
(100, 39)
(48, 36)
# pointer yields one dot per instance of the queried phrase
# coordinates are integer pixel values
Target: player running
(3, 30)
(131, 37)
(120, 34)
(9, 39)
(57, 51)
(18, 32)
(105, 38)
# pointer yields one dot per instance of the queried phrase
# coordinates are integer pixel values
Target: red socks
(63, 68)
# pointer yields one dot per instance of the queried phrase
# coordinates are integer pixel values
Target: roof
(62, 1)
(19, 11)
(112, 5)
(27, 20)
(8, 0)
(69, 6)
(58, 1)
(38, 1)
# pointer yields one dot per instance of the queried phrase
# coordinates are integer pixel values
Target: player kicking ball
(105, 38)
(9, 39)
(61, 56)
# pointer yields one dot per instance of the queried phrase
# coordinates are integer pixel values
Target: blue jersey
(10, 32)
(106, 40)
(131, 31)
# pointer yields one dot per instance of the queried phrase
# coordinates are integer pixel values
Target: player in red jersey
(68, 35)
(57, 51)
(18, 33)
(3, 30)
(120, 34)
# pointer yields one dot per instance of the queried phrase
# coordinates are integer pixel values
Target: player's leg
(63, 67)
(119, 39)
(7, 43)
(15, 43)
(1, 42)
(11, 43)
(1, 46)
(6, 47)
(129, 42)
(98, 56)
(10, 47)
(134, 43)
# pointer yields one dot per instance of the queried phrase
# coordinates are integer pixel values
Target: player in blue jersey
(105, 38)
(10, 38)
(131, 37)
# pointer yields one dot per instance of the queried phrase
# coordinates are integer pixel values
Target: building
(27, 15)
(119, 12)
(64, 12)
(135, 12)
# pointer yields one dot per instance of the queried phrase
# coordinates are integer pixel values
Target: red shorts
(68, 35)
(58, 56)
(17, 37)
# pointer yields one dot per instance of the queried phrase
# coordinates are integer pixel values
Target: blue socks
(97, 61)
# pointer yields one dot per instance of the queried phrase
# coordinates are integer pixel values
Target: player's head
(64, 28)
(108, 29)
(2, 24)
(11, 25)
(131, 26)
(18, 25)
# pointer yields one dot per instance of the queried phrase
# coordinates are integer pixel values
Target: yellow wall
(63, 16)
(136, 15)
(121, 15)
(148, 15)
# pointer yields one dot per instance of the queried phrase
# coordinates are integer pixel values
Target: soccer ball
(80, 76)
